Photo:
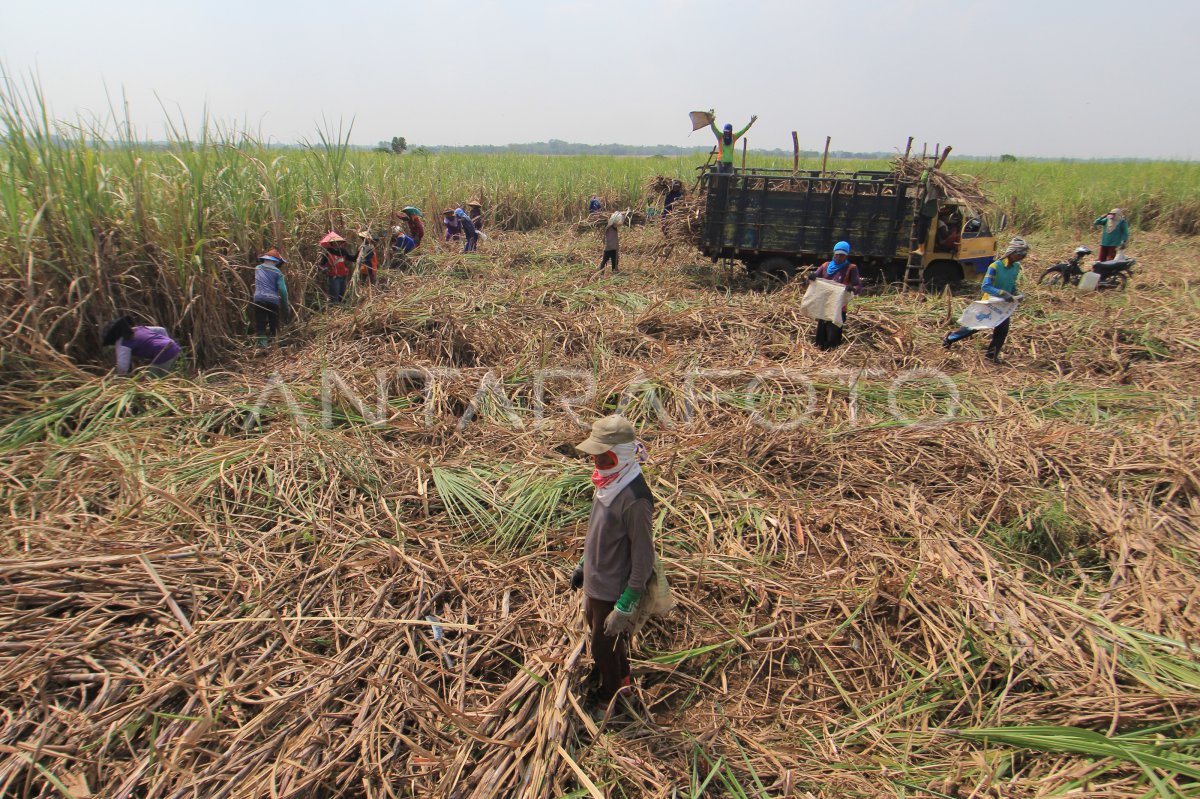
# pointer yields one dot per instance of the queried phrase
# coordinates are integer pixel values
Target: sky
(1095, 79)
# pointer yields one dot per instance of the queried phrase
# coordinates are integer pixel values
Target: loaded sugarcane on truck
(777, 222)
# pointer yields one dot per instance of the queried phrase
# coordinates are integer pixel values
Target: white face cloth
(1114, 221)
(610, 482)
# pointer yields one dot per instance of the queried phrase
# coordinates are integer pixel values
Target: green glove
(628, 601)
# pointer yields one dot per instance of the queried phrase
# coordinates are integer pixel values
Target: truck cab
(957, 244)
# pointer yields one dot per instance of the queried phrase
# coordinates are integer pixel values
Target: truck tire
(942, 272)
(779, 269)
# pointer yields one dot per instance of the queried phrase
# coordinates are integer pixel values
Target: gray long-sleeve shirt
(610, 237)
(618, 552)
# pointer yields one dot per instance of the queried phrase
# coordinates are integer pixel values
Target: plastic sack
(825, 300)
(658, 599)
(1089, 281)
(986, 314)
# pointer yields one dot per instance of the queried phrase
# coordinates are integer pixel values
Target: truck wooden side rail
(776, 221)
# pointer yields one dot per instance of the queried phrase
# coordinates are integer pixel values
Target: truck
(778, 222)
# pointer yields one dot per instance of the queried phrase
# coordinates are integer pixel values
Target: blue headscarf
(460, 213)
(834, 267)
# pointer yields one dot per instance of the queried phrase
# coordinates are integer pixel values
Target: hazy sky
(1097, 78)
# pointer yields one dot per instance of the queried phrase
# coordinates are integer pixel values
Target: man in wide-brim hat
(475, 211)
(618, 552)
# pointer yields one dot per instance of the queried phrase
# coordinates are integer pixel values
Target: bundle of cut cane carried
(685, 221)
(659, 184)
(597, 220)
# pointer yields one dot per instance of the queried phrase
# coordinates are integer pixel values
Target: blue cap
(728, 126)
(842, 246)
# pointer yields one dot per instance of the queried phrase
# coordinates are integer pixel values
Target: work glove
(620, 620)
(577, 578)
(1004, 295)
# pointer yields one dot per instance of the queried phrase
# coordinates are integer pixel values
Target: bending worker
(727, 142)
(141, 343)
(618, 552)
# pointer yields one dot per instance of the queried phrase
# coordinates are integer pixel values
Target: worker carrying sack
(986, 314)
(824, 300)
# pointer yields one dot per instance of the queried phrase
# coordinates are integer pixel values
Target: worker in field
(674, 195)
(611, 242)
(402, 243)
(368, 258)
(270, 296)
(335, 261)
(727, 142)
(411, 216)
(451, 224)
(618, 551)
(1000, 282)
(594, 205)
(140, 344)
(475, 211)
(838, 268)
(1115, 235)
(470, 234)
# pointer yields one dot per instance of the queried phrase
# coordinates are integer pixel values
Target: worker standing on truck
(1000, 282)
(726, 142)
(840, 270)
(618, 551)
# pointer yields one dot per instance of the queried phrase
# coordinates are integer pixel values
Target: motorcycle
(1113, 274)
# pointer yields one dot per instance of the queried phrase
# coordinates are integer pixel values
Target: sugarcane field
(337, 472)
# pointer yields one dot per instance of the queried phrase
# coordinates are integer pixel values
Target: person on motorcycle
(1001, 282)
(1115, 235)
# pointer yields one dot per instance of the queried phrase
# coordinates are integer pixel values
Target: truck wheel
(778, 269)
(942, 273)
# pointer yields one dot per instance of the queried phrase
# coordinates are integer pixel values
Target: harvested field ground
(965, 581)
